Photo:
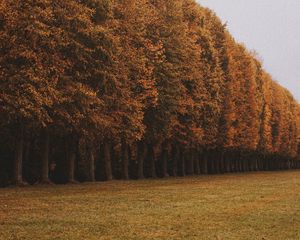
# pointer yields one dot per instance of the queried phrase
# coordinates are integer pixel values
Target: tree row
(99, 89)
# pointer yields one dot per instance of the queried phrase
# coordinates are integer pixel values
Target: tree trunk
(239, 162)
(125, 163)
(260, 163)
(26, 157)
(256, 168)
(253, 163)
(248, 163)
(152, 161)
(197, 163)
(164, 158)
(190, 162)
(107, 160)
(174, 160)
(71, 157)
(211, 162)
(45, 158)
(265, 163)
(244, 164)
(18, 161)
(91, 165)
(216, 161)
(204, 166)
(257, 162)
(222, 164)
(274, 163)
(233, 162)
(141, 157)
(226, 162)
(182, 163)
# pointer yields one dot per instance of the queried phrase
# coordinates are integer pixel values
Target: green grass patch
(238, 206)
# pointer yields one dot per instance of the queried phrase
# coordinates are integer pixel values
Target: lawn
(235, 206)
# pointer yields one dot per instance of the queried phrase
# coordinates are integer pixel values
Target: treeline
(102, 89)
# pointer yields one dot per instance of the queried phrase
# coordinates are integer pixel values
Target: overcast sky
(272, 28)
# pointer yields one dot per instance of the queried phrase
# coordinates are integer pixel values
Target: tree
(128, 89)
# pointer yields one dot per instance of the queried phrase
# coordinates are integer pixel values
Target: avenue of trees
(121, 89)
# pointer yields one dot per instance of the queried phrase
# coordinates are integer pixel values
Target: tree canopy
(103, 89)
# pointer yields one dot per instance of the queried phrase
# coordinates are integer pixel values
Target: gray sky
(270, 27)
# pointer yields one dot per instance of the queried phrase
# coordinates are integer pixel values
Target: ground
(235, 206)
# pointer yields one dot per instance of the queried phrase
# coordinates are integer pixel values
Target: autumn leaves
(134, 89)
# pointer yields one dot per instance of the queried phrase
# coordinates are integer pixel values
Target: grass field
(239, 206)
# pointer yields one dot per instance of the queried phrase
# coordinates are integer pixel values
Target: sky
(272, 29)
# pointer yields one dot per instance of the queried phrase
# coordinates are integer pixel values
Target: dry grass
(242, 206)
